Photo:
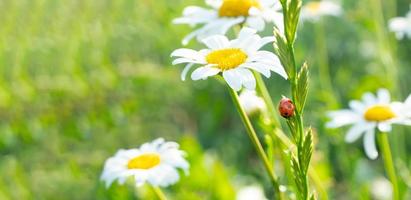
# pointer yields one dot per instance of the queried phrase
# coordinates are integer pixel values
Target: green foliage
(81, 79)
(291, 17)
(302, 88)
(281, 48)
(306, 151)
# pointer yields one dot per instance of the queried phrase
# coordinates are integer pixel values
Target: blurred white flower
(367, 115)
(381, 189)
(234, 59)
(155, 163)
(401, 26)
(314, 10)
(254, 192)
(251, 102)
(225, 14)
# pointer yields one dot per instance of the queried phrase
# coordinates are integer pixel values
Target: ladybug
(286, 108)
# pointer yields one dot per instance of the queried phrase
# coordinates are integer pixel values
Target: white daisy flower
(367, 115)
(155, 163)
(314, 10)
(381, 189)
(225, 14)
(401, 26)
(407, 106)
(254, 192)
(233, 59)
(251, 102)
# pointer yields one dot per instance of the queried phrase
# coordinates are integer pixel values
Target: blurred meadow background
(81, 79)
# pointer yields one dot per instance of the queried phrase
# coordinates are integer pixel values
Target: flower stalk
(324, 76)
(388, 163)
(159, 193)
(279, 134)
(262, 89)
(256, 142)
(298, 78)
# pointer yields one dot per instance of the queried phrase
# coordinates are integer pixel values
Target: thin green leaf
(312, 197)
(282, 51)
(307, 151)
(302, 87)
(292, 18)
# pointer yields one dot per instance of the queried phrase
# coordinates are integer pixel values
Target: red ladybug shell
(286, 108)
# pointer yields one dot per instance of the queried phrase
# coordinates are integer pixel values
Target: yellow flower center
(313, 6)
(236, 8)
(144, 161)
(226, 59)
(379, 113)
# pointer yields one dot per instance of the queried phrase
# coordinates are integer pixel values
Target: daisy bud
(286, 108)
(251, 103)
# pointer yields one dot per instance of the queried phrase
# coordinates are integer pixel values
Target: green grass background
(80, 79)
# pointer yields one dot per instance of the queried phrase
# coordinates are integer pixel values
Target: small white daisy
(314, 10)
(233, 59)
(401, 26)
(155, 163)
(224, 14)
(367, 115)
(251, 102)
(254, 192)
(381, 189)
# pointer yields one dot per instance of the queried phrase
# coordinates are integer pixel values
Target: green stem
(384, 43)
(299, 118)
(262, 89)
(159, 193)
(388, 163)
(387, 51)
(323, 66)
(256, 142)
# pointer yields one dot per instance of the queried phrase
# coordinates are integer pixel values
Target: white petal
(369, 99)
(193, 15)
(268, 3)
(185, 71)
(254, 12)
(204, 72)
(232, 79)
(264, 56)
(369, 144)
(247, 38)
(196, 11)
(399, 25)
(357, 106)
(383, 96)
(355, 132)
(279, 69)
(247, 78)
(218, 26)
(186, 60)
(214, 3)
(246, 32)
(253, 44)
(187, 53)
(384, 127)
(266, 40)
(190, 36)
(342, 118)
(408, 100)
(216, 42)
(268, 60)
(259, 68)
(256, 23)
